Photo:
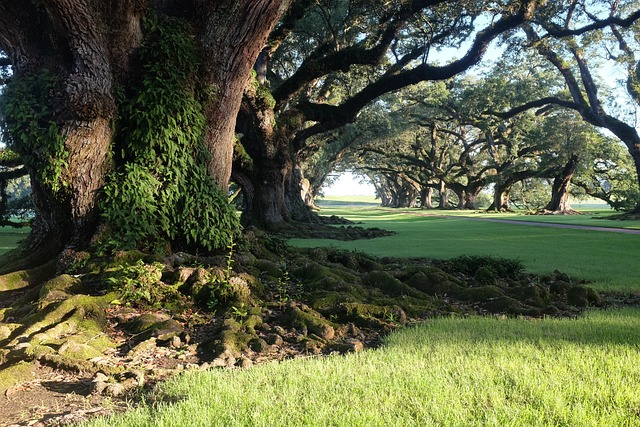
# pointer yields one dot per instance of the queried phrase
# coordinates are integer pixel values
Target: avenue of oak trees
(132, 116)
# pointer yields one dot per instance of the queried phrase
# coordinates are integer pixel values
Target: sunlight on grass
(446, 372)
(606, 259)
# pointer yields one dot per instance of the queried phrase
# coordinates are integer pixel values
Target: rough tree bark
(90, 47)
(444, 195)
(233, 34)
(426, 197)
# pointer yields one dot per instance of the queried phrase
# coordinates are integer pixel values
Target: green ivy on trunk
(162, 193)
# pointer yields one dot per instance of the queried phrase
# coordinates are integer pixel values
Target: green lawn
(449, 371)
(446, 372)
(10, 237)
(607, 259)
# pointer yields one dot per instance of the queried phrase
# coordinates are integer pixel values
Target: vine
(30, 127)
(162, 191)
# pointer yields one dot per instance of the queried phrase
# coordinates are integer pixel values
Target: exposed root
(558, 212)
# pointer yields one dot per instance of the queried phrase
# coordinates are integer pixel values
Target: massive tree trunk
(269, 181)
(234, 34)
(426, 197)
(501, 202)
(90, 49)
(75, 105)
(559, 203)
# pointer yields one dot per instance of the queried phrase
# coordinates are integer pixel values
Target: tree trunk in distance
(559, 203)
(427, 197)
(444, 197)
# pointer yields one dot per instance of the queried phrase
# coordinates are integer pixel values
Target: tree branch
(542, 102)
(544, 50)
(319, 63)
(557, 31)
(331, 117)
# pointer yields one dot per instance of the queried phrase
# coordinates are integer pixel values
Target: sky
(349, 185)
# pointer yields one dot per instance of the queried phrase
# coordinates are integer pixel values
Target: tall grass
(446, 372)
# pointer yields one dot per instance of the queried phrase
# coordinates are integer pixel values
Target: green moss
(582, 296)
(25, 278)
(388, 284)
(326, 300)
(57, 289)
(87, 310)
(481, 293)
(505, 305)
(234, 341)
(306, 319)
(15, 374)
(534, 295)
(435, 283)
(251, 322)
(485, 276)
(269, 268)
(362, 314)
(263, 94)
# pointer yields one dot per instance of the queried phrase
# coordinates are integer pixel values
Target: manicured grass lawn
(607, 259)
(446, 372)
(10, 237)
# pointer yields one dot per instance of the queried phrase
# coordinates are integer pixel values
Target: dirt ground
(54, 398)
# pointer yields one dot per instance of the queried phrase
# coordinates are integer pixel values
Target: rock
(183, 274)
(485, 276)
(176, 342)
(240, 294)
(144, 322)
(157, 325)
(312, 346)
(259, 345)
(100, 382)
(581, 296)
(560, 287)
(218, 362)
(274, 339)
(353, 329)
(144, 347)
(348, 345)
(370, 314)
(306, 319)
(224, 359)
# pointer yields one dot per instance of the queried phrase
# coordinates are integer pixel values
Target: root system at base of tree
(131, 319)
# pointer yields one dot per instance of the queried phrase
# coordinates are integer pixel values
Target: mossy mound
(321, 231)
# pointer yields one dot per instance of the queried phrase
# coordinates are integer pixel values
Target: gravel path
(534, 223)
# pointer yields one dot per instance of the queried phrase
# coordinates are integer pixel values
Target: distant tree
(328, 60)
(563, 34)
